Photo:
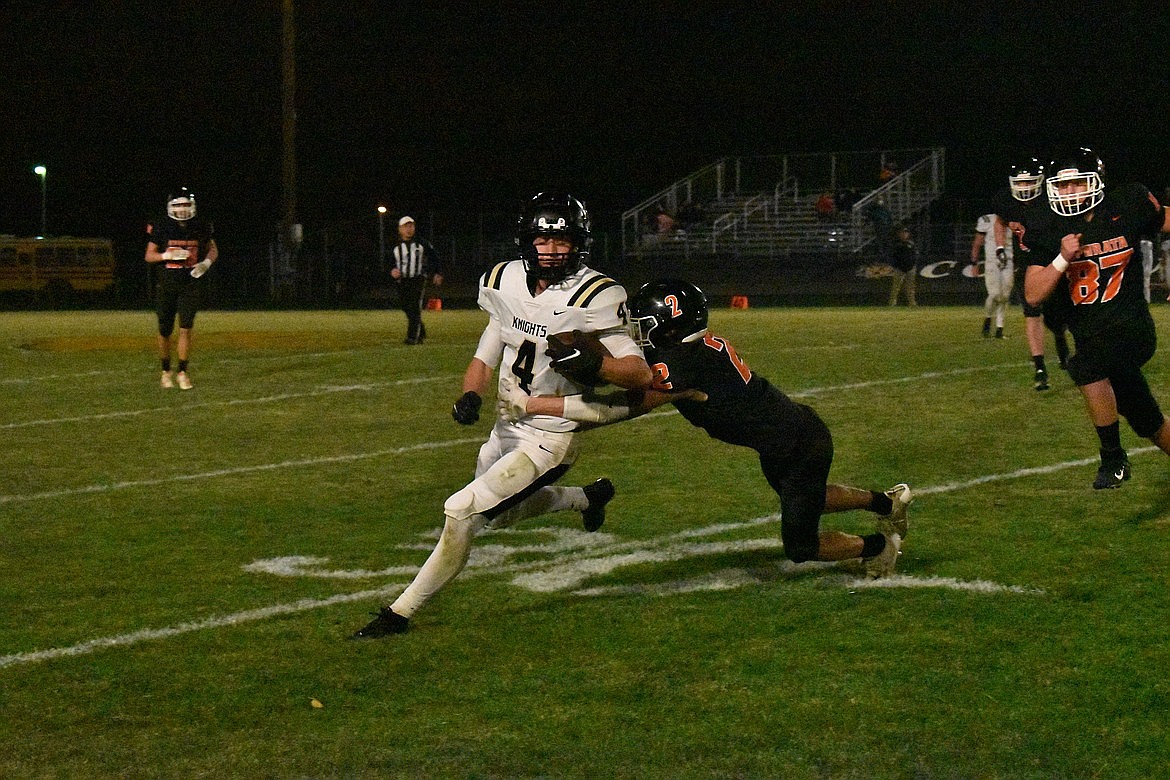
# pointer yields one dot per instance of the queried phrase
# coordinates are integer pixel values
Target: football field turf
(180, 570)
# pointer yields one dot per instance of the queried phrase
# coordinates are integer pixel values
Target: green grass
(134, 642)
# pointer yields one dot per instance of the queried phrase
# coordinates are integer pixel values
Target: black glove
(577, 359)
(1001, 257)
(466, 409)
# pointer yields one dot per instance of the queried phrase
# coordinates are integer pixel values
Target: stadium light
(381, 238)
(42, 171)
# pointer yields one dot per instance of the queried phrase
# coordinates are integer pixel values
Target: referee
(415, 261)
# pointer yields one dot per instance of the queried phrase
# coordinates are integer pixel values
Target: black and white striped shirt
(415, 258)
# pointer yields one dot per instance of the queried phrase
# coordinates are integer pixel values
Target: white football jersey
(986, 225)
(587, 301)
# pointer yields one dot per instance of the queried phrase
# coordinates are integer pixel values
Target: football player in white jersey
(998, 273)
(548, 290)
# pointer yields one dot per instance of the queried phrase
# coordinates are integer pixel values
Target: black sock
(166, 364)
(182, 365)
(880, 503)
(1038, 361)
(1110, 436)
(872, 545)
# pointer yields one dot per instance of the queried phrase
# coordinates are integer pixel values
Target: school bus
(56, 264)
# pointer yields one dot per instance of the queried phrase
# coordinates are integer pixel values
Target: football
(577, 355)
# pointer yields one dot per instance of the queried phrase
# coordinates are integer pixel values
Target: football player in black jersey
(1097, 232)
(1015, 208)
(668, 319)
(183, 244)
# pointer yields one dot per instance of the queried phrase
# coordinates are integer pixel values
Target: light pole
(381, 238)
(42, 171)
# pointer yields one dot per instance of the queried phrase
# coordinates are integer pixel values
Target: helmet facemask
(181, 207)
(1085, 191)
(559, 216)
(1026, 186)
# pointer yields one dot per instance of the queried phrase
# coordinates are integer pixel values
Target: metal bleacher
(764, 206)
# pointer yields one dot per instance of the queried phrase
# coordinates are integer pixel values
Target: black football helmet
(1079, 165)
(667, 313)
(1026, 179)
(181, 204)
(556, 214)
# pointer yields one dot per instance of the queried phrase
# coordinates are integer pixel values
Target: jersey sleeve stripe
(495, 277)
(590, 290)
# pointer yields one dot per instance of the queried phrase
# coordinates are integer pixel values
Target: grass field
(180, 569)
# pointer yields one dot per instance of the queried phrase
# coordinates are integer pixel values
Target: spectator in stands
(826, 206)
(904, 261)
(889, 171)
(664, 223)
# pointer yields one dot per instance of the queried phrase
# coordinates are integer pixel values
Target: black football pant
(410, 292)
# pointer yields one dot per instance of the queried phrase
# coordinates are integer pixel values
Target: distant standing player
(415, 263)
(998, 273)
(1016, 208)
(1099, 231)
(668, 319)
(183, 244)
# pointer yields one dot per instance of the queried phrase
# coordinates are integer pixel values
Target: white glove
(511, 401)
(176, 254)
(200, 268)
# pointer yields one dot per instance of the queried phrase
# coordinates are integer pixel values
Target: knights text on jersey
(1105, 284)
(588, 301)
(741, 408)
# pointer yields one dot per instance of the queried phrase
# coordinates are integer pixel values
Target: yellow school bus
(56, 264)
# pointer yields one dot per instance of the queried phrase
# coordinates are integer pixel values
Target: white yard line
(268, 399)
(489, 561)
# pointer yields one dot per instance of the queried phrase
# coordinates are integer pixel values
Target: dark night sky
(471, 110)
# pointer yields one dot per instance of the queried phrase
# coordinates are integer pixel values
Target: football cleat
(1041, 379)
(166, 381)
(184, 381)
(883, 564)
(1112, 473)
(898, 520)
(599, 494)
(385, 623)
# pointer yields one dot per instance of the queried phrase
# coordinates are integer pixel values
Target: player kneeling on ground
(713, 388)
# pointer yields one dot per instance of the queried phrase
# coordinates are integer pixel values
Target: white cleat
(166, 381)
(884, 563)
(184, 381)
(898, 520)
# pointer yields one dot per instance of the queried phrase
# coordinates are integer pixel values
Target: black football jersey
(1025, 213)
(194, 236)
(1105, 284)
(741, 408)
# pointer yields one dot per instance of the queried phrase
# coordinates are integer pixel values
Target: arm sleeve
(491, 344)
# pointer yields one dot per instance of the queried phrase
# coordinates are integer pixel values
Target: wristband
(1060, 264)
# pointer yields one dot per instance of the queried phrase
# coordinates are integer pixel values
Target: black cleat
(599, 494)
(1041, 380)
(386, 623)
(1111, 474)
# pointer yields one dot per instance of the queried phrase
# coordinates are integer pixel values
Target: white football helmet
(181, 205)
(1026, 178)
(1079, 173)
